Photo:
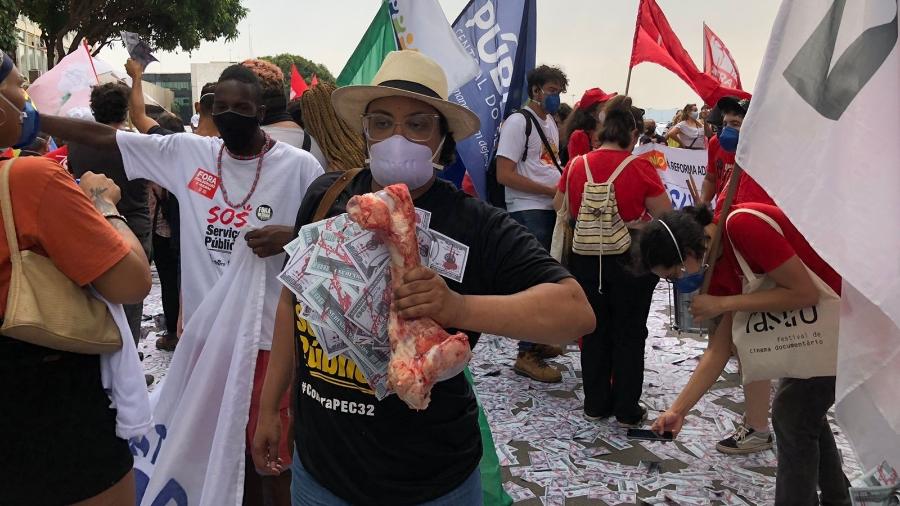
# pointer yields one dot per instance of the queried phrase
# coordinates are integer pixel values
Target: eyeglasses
(419, 127)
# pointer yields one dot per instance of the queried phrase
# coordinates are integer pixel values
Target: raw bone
(422, 352)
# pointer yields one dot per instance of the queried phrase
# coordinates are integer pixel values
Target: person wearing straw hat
(350, 447)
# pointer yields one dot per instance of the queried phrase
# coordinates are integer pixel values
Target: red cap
(593, 96)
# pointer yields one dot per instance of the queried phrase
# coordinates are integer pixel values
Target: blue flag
(501, 37)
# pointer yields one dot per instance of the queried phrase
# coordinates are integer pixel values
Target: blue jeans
(540, 223)
(306, 491)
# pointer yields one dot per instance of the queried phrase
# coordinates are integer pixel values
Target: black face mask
(236, 129)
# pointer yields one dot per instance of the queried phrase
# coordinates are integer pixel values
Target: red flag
(717, 60)
(315, 80)
(298, 84)
(654, 41)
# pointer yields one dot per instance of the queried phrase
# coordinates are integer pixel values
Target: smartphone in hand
(649, 435)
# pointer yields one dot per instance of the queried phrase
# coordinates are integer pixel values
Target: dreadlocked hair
(344, 148)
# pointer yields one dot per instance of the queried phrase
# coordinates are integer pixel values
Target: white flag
(195, 455)
(821, 138)
(421, 25)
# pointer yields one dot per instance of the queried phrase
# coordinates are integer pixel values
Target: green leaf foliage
(307, 68)
(9, 12)
(165, 24)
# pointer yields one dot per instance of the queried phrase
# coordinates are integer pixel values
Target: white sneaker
(744, 441)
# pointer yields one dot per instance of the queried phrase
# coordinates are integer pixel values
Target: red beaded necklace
(265, 149)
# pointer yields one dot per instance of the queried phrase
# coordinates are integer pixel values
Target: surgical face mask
(691, 282)
(695, 114)
(399, 160)
(237, 130)
(728, 138)
(551, 103)
(30, 121)
(686, 283)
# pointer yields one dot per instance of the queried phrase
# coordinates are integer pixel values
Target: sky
(589, 39)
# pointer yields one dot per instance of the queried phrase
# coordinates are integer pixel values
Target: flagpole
(628, 82)
(90, 58)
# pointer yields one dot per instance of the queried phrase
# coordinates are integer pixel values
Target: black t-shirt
(382, 452)
(133, 204)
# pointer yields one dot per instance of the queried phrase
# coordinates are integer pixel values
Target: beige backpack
(599, 229)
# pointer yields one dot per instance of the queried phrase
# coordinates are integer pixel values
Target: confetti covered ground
(552, 455)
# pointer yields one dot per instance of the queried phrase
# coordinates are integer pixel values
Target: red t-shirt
(579, 144)
(764, 249)
(719, 165)
(637, 182)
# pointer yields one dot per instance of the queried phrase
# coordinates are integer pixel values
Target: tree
(307, 68)
(164, 24)
(9, 12)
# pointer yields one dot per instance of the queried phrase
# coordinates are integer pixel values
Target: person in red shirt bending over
(752, 434)
(674, 247)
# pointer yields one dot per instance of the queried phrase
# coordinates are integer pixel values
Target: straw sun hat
(406, 74)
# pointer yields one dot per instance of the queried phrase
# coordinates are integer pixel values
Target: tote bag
(801, 343)
(561, 242)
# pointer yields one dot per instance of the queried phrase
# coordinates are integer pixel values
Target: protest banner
(421, 25)
(655, 41)
(67, 86)
(839, 190)
(501, 36)
(201, 409)
(676, 168)
(718, 62)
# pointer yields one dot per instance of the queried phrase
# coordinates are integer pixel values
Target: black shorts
(57, 432)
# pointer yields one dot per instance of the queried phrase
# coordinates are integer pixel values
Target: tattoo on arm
(102, 205)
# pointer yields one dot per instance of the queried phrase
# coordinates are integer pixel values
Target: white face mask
(399, 160)
(695, 114)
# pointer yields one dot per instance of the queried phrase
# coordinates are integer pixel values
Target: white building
(202, 73)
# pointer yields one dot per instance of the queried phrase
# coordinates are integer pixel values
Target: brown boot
(548, 350)
(530, 364)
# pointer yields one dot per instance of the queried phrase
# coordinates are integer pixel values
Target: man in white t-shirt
(529, 169)
(242, 182)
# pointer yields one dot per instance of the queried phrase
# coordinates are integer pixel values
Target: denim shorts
(306, 491)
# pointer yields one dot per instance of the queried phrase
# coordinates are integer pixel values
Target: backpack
(307, 142)
(496, 191)
(599, 229)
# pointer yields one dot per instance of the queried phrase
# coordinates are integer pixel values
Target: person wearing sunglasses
(674, 246)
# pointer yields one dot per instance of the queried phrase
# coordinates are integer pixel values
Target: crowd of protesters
(128, 194)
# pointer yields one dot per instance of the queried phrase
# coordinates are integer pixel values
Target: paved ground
(552, 455)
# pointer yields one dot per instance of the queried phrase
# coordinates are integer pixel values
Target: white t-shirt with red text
(185, 164)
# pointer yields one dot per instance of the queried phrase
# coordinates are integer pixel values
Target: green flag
(491, 479)
(376, 43)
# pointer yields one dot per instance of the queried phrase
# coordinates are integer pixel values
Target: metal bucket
(684, 322)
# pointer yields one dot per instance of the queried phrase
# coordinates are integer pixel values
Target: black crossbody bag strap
(544, 140)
